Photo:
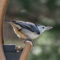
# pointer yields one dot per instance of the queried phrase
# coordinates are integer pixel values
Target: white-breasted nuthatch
(28, 30)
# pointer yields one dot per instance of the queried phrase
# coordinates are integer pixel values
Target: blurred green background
(45, 12)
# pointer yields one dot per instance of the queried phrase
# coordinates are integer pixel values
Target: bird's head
(43, 28)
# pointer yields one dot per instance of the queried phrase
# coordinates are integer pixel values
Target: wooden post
(3, 4)
(26, 50)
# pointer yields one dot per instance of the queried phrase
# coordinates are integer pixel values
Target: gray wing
(28, 25)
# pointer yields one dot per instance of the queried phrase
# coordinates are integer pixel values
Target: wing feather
(28, 25)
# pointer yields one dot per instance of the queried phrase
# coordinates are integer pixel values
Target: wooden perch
(26, 50)
(3, 4)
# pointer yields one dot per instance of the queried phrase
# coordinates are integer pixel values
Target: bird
(28, 30)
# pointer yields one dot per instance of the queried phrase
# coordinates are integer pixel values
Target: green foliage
(26, 4)
(51, 4)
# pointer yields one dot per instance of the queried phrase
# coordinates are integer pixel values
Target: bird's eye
(43, 27)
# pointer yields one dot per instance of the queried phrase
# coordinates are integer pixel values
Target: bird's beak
(48, 28)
